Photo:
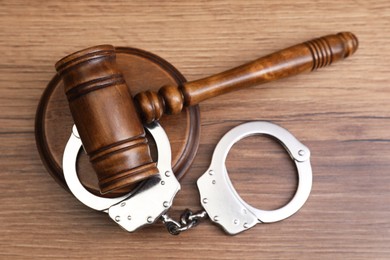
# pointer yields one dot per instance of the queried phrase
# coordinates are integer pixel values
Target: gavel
(110, 122)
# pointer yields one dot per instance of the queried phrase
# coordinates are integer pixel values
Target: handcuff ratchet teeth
(153, 198)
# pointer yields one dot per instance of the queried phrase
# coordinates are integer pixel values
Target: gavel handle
(303, 57)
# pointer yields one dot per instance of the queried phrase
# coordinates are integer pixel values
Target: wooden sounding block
(142, 71)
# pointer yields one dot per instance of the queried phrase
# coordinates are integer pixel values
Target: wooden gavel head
(109, 123)
(106, 119)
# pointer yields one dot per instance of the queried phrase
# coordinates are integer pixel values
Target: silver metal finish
(221, 200)
(188, 220)
(133, 210)
(155, 197)
(69, 160)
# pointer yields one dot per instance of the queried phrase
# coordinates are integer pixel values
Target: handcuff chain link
(188, 220)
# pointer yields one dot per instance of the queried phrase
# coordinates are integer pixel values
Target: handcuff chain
(188, 220)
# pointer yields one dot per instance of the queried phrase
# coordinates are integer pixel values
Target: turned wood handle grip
(307, 56)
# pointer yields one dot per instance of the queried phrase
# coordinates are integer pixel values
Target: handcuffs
(151, 201)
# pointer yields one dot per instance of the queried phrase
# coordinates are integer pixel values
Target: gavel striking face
(110, 123)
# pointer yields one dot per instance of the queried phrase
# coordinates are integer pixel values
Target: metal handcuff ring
(143, 206)
(221, 202)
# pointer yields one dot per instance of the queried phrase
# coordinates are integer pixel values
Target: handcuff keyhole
(262, 172)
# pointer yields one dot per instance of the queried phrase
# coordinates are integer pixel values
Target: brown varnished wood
(304, 57)
(108, 124)
(54, 121)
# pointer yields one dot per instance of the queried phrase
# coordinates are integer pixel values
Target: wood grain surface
(342, 113)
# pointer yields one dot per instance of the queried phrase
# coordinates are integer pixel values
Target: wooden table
(342, 113)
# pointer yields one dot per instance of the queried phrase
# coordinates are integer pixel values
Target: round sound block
(142, 71)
